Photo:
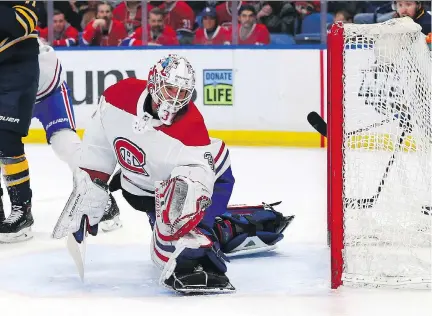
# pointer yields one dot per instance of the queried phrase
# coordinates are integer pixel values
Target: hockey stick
(370, 202)
(317, 123)
(77, 250)
(321, 126)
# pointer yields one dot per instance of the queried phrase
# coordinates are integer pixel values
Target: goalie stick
(320, 125)
(76, 244)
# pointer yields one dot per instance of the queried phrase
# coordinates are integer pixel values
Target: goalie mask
(171, 83)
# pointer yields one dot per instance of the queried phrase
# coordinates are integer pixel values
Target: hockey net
(379, 176)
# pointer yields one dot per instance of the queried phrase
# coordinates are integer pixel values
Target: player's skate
(111, 219)
(17, 227)
(192, 264)
(196, 279)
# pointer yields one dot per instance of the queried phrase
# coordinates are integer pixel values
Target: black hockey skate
(199, 281)
(111, 219)
(17, 227)
(2, 213)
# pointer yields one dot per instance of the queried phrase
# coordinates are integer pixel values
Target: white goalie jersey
(146, 150)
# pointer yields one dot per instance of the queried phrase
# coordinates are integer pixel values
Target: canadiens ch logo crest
(130, 156)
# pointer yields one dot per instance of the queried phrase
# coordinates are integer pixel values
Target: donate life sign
(218, 87)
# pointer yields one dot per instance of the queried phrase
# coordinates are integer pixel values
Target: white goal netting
(387, 158)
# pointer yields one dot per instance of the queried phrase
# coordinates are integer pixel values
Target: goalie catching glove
(89, 198)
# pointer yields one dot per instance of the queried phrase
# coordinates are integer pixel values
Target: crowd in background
(120, 23)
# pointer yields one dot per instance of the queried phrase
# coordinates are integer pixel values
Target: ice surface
(38, 277)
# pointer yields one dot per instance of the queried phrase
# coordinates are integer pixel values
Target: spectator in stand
(211, 33)
(249, 31)
(178, 14)
(70, 11)
(130, 13)
(377, 12)
(415, 10)
(224, 14)
(307, 7)
(104, 31)
(353, 7)
(277, 16)
(87, 10)
(158, 33)
(343, 16)
(199, 6)
(64, 33)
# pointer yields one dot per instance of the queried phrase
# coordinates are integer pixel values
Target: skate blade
(201, 290)
(111, 224)
(11, 238)
(246, 252)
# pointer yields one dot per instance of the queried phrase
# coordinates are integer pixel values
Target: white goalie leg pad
(180, 205)
(87, 198)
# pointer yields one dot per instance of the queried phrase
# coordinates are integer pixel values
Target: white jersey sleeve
(96, 151)
(51, 74)
(220, 157)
